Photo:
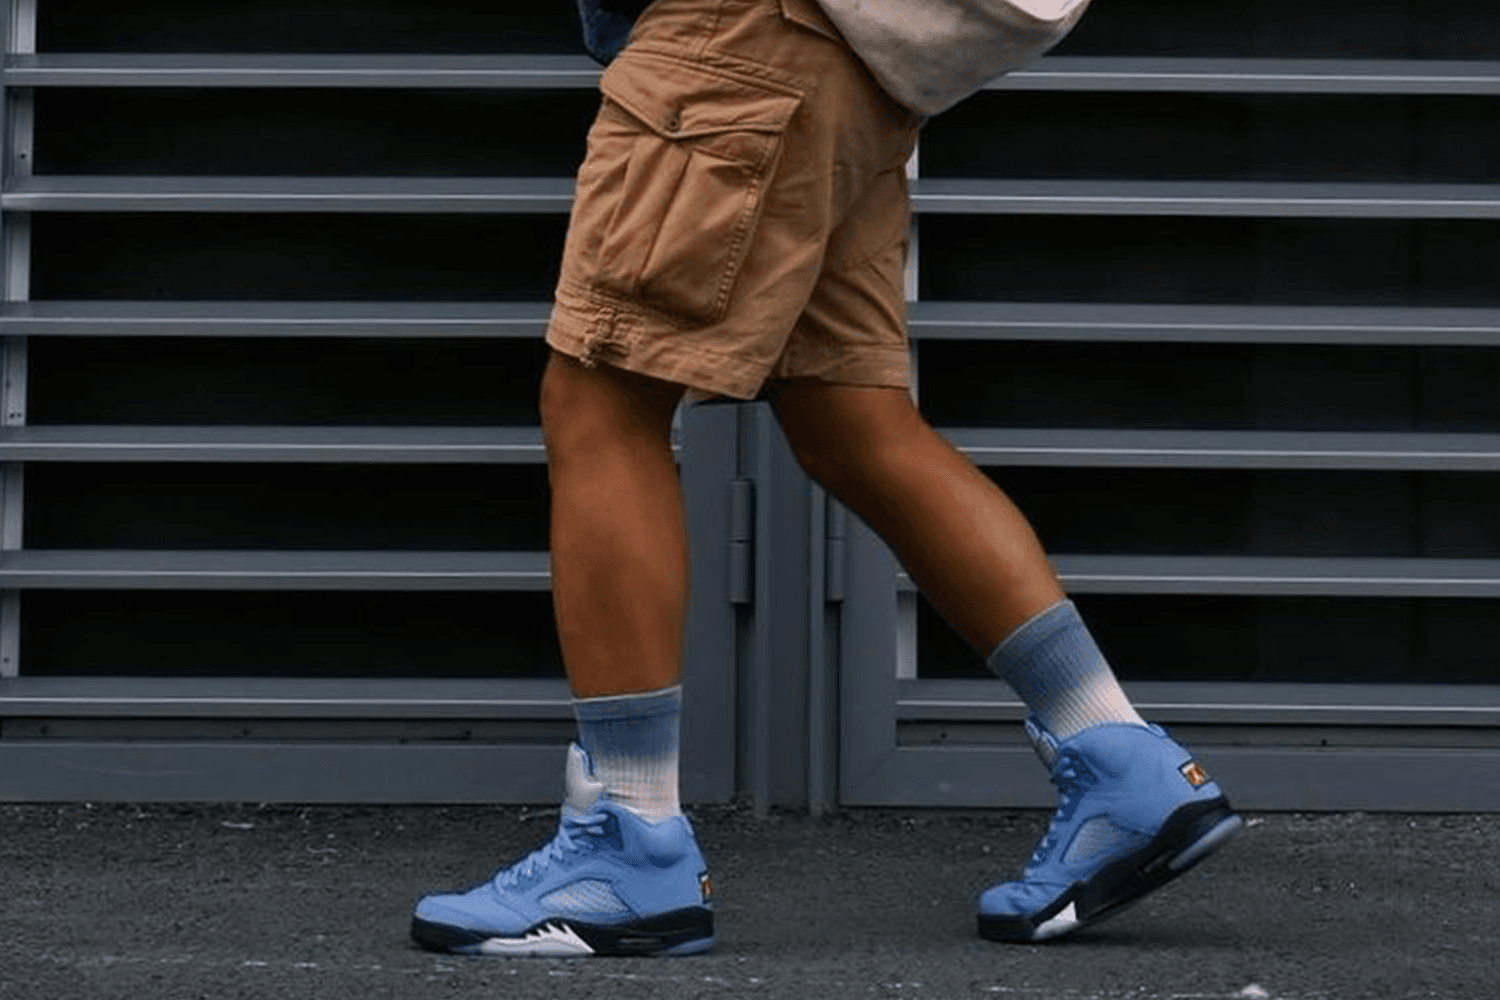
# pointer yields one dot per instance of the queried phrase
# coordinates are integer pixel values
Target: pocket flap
(680, 100)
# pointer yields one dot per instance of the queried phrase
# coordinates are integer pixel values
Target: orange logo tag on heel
(1194, 773)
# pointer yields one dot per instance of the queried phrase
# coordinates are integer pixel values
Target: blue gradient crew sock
(1055, 666)
(632, 741)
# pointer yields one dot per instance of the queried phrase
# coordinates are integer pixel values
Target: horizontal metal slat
(1262, 76)
(284, 698)
(278, 570)
(1341, 76)
(1228, 703)
(553, 195)
(231, 771)
(518, 195)
(272, 444)
(1227, 449)
(1272, 778)
(1275, 576)
(1260, 199)
(1205, 324)
(275, 319)
(298, 70)
(929, 320)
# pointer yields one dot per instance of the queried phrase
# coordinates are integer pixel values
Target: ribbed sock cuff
(1054, 664)
(633, 743)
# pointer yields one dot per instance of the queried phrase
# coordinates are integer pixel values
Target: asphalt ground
(160, 902)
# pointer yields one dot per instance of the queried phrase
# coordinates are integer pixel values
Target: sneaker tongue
(1043, 742)
(582, 790)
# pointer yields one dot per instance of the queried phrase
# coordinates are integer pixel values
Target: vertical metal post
(776, 632)
(9, 599)
(18, 20)
(913, 277)
(709, 729)
(827, 527)
(913, 172)
(762, 663)
(818, 799)
(906, 602)
(21, 19)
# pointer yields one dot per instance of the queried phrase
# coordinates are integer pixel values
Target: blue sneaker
(609, 883)
(1134, 812)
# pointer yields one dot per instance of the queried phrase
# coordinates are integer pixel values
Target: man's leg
(1135, 810)
(624, 875)
(619, 543)
(619, 572)
(969, 549)
(966, 545)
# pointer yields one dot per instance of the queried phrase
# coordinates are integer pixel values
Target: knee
(843, 434)
(823, 459)
(584, 407)
(563, 407)
(559, 394)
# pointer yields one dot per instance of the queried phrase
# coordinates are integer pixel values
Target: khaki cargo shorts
(741, 213)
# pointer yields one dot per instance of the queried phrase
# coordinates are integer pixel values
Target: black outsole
(1188, 836)
(656, 935)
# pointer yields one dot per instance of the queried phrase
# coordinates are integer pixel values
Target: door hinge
(741, 541)
(835, 532)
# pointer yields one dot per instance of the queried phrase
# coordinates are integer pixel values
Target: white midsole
(546, 941)
(1065, 921)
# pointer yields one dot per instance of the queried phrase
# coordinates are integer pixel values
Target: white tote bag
(931, 54)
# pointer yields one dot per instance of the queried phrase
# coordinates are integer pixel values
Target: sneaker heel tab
(582, 791)
(1042, 741)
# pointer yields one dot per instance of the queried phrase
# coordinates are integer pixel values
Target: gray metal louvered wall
(1213, 293)
(1103, 267)
(267, 535)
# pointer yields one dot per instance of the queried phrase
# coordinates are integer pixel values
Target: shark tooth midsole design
(680, 932)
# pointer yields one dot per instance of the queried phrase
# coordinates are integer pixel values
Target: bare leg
(970, 550)
(619, 542)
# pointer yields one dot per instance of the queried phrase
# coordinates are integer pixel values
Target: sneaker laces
(566, 841)
(1069, 781)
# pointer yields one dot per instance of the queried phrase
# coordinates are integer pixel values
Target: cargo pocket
(676, 210)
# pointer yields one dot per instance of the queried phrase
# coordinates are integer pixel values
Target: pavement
(160, 902)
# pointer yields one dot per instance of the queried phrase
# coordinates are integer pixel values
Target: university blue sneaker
(1134, 812)
(609, 883)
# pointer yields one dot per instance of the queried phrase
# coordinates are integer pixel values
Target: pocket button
(673, 121)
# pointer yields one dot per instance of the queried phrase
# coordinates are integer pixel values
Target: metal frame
(1277, 746)
(18, 24)
(801, 677)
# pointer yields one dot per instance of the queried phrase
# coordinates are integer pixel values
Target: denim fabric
(607, 24)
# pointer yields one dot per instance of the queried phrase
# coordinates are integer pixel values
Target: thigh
(833, 427)
(853, 329)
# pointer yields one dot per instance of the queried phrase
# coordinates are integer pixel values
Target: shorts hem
(875, 369)
(626, 336)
